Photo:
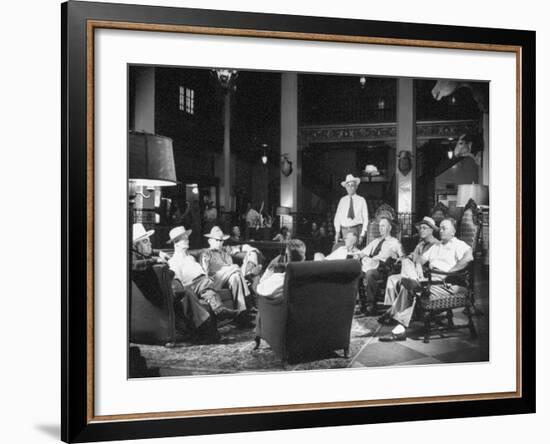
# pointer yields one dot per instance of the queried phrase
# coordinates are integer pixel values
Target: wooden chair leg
(257, 340)
(427, 327)
(471, 326)
(450, 322)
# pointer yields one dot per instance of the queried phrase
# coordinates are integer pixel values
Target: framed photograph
(275, 222)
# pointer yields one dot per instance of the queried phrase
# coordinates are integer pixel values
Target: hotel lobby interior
(266, 157)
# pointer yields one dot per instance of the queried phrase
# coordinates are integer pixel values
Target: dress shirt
(360, 210)
(185, 267)
(390, 248)
(341, 253)
(271, 286)
(446, 255)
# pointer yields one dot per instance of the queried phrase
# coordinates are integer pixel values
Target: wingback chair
(152, 316)
(315, 314)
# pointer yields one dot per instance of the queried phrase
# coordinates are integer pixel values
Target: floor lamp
(151, 165)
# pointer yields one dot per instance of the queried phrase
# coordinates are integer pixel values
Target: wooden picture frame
(79, 22)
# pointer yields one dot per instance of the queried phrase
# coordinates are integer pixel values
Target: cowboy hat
(139, 233)
(217, 233)
(350, 178)
(177, 233)
(427, 221)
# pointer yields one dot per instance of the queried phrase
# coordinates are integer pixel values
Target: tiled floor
(447, 347)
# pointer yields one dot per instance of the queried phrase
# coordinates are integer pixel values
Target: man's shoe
(243, 320)
(370, 311)
(393, 337)
(385, 319)
(226, 313)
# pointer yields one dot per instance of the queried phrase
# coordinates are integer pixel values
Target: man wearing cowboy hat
(217, 262)
(142, 251)
(189, 312)
(191, 274)
(352, 214)
(410, 266)
(451, 254)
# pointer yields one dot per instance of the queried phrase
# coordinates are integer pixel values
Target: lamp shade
(478, 193)
(151, 160)
(283, 211)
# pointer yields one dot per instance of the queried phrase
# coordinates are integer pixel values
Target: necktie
(351, 213)
(378, 248)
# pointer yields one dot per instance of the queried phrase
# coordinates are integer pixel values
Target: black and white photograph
(300, 221)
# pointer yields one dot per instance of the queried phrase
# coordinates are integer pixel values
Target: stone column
(226, 200)
(484, 170)
(406, 133)
(290, 186)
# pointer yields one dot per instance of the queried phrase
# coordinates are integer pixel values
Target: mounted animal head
(468, 146)
(480, 93)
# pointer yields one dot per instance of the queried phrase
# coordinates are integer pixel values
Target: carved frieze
(387, 132)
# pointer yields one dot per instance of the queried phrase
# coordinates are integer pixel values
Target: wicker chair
(429, 306)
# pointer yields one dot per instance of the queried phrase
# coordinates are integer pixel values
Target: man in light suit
(352, 214)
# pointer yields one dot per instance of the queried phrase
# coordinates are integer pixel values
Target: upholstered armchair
(315, 314)
(152, 316)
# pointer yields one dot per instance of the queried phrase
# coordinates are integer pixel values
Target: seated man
(348, 251)
(142, 251)
(283, 235)
(187, 308)
(235, 235)
(373, 258)
(426, 228)
(451, 254)
(271, 284)
(192, 276)
(218, 264)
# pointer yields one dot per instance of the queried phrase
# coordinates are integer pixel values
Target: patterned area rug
(235, 353)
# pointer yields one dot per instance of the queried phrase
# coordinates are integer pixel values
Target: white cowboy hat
(217, 233)
(350, 178)
(427, 221)
(139, 233)
(177, 233)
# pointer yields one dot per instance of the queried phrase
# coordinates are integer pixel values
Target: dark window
(187, 100)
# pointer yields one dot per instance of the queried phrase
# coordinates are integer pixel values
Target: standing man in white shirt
(352, 214)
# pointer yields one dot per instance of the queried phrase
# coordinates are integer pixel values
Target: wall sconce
(194, 188)
(286, 165)
(450, 150)
(362, 81)
(264, 156)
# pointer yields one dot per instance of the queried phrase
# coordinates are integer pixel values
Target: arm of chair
(271, 323)
(458, 277)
